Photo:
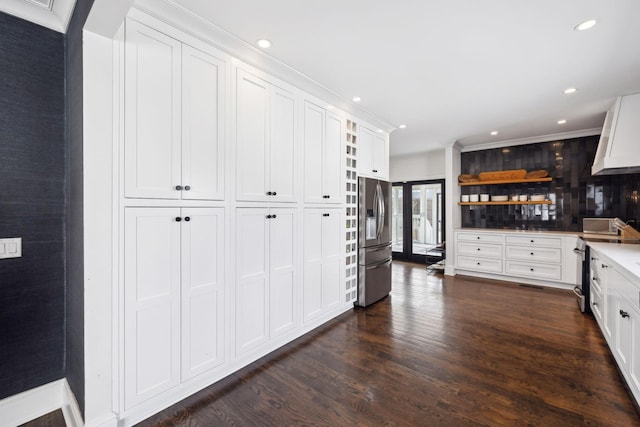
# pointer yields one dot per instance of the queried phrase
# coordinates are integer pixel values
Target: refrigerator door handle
(379, 202)
(379, 265)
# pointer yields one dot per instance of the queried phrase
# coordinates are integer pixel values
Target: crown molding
(56, 18)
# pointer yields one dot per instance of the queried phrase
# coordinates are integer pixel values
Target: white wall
(418, 167)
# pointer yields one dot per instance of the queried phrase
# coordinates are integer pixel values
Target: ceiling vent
(47, 4)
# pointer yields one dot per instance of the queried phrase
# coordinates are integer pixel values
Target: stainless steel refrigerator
(374, 240)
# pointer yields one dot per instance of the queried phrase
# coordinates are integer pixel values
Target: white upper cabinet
(373, 154)
(323, 160)
(265, 140)
(203, 114)
(175, 105)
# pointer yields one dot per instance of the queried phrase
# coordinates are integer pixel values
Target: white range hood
(619, 147)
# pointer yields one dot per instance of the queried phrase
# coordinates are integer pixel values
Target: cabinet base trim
(517, 280)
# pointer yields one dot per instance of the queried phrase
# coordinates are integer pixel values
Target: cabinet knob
(187, 188)
(187, 218)
(624, 314)
(273, 216)
(478, 263)
(531, 253)
(178, 187)
(478, 249)
(532, 241)
(178, 219)
(325, 214)
(478, 237)
(274, 193)
(605, 266)
(375, 171)
(531, 269)
(269, 193)
(268, 216)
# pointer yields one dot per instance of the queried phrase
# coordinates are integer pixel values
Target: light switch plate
(11, 248)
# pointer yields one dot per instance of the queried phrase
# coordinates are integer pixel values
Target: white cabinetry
(323, 154)
(174, 118)
(530, 257)
(621, 318)
(373, 157)
(322, 261)
(173, 297)
(265, 140)
(266, 275)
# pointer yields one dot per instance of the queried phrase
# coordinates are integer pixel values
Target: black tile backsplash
(574, 192)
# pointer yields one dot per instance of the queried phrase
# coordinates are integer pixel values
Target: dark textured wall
(74, 202)
(32, 173)
(574, 192)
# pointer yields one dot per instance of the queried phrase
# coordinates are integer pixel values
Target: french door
(417, 221)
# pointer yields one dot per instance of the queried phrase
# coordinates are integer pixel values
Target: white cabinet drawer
(534, 253)
(534, 270)
(597, 305)
(480, 237)
(480, 264)
(554, 242)
(480, 249)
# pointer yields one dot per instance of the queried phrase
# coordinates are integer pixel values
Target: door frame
(407, 219)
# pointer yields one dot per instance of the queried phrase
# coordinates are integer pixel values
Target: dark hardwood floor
(452, 351)
(52, 419)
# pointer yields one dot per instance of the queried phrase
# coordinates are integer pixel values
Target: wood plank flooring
(439, 351)
(52, 419)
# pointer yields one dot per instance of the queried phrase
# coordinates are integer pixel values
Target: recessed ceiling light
(402, 126)
(356, 99)
(569, 90)
(585, 25)
(264, 43)
(494, 132)
(561, 122)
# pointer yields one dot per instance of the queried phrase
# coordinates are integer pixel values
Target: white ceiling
(452, 69)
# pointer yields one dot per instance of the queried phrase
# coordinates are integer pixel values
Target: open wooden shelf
(507, 181)
(541, 202)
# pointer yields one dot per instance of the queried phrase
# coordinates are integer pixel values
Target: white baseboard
(34, 403)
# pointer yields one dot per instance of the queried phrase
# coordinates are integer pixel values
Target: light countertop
(624, 255)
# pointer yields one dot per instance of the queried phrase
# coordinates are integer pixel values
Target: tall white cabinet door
(312, 254)
(252, 136)
(282, 253)
(331, 258)
(152, 113)
(333, 159)
(202, 242)
(314, 127)
(252, 278)
(151, 302)
(283, 145)
(380, 157)
(203, 119)
(365, 152)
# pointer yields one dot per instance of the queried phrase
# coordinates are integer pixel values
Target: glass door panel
(397, 226)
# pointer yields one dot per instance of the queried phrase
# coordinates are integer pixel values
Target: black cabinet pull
(478, 237)
(273, 216)
(478, 249)
(187, 218)
(532, 241)
(187, 188)
(375, 171)
(325, 214)
(531, 253)
(531, 269)
(274, 193)
(178, 187)
(605, 266)
(478, 263)
(178, 219)
(623, 313)
(269, 193)
(268, 216)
